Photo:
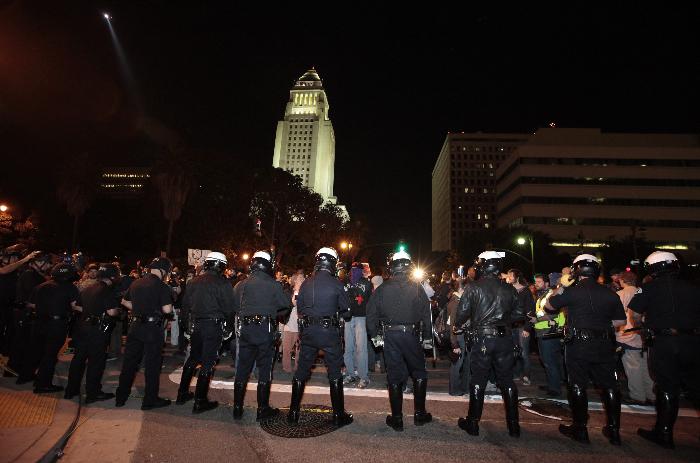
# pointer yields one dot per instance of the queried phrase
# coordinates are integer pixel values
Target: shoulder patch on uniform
(639, 291)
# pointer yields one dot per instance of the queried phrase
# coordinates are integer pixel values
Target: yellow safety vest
(560, 319)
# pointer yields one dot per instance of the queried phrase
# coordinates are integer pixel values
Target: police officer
(257, 300)
(401, 310)
(53, 302)
(320, 303)
(208, 304)
(37, 273)
(488, 309)
(592, 311)
(148, 299)
(671, 309)
(92, 334)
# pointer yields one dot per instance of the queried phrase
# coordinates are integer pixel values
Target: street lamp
(521, 241)
(3, 208)
(245, 256)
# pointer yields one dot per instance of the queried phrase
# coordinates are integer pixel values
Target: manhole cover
(314, 420)
(547, 408)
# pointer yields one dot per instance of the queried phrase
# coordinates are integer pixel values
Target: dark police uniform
(208, 302)
(148, 295)
(321, 300)
(23, 321)
(257, 301)
(92, 335)
(590, 351)
(401, 310)
(671, 309)
(53, 301)
(488, 309)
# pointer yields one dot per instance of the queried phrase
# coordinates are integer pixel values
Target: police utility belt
(674, 332)
(489, 332)
(585, 334)
(323, 322)
(145, 319)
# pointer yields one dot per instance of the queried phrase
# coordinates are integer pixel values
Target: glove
(427, 344)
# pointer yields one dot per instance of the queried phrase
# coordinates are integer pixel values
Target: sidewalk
(31, 424)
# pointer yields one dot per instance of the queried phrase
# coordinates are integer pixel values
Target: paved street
(174, 434)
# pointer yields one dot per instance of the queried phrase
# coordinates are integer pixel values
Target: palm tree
(77, 191)
(173, 186)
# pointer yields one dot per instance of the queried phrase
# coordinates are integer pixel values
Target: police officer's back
(257, 300)
(100, 304)
(321, 301)
(671, 308)
(53, 301)
(400, 309)
(148, 299)
(488, 309)
(208, 304)
(592, 310)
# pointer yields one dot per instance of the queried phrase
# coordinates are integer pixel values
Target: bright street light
(3, 208)
(106, 16)
(521, 241)
(418, 274)
(343, 245)
(245, 256)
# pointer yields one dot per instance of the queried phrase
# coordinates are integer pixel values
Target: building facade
(583, 187)
(305, 141)
(124, 182)
(464, 184)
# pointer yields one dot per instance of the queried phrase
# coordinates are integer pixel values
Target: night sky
(397, 80)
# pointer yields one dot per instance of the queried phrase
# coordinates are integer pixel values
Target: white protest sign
(196, 256)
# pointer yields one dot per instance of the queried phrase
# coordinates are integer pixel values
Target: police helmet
(661, 262)
(261, 262)
(489, 263)
(161, 263)
(215, 261)
(326, 259)
(109, 272)
(399, 262)
(586, 265)
(64, 273)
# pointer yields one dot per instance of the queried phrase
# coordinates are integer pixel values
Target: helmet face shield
(327, 259)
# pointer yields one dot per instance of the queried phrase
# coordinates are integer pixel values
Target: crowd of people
(584, 328)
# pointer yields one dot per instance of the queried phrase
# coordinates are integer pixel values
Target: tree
(77, 190)
(173, 182)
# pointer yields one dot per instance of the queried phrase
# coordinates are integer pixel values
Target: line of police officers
(397, 315)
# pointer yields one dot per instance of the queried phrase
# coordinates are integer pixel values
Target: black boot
(476, 407)
(297, 392)
(395, 420)
(201, 401)
(510, 399)
(183, 392)
(666, 414)
(264, 410)
(340, 416)
(578, 401)
(611, 401)
(238, 396)
(420, 416)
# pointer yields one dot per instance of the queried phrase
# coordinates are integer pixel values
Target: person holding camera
(592, 310)
(93, 331)
(149, 299)
(401, 310)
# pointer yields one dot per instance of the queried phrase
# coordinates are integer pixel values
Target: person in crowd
(550, 347)
(290, 338)
(521, 334)
(459, 366)
(89, 277)
(634, 356)
(12, 259)
(359, 291)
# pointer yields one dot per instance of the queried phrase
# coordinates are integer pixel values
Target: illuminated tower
(305, 142)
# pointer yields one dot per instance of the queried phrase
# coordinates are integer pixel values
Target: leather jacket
(489, 302)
